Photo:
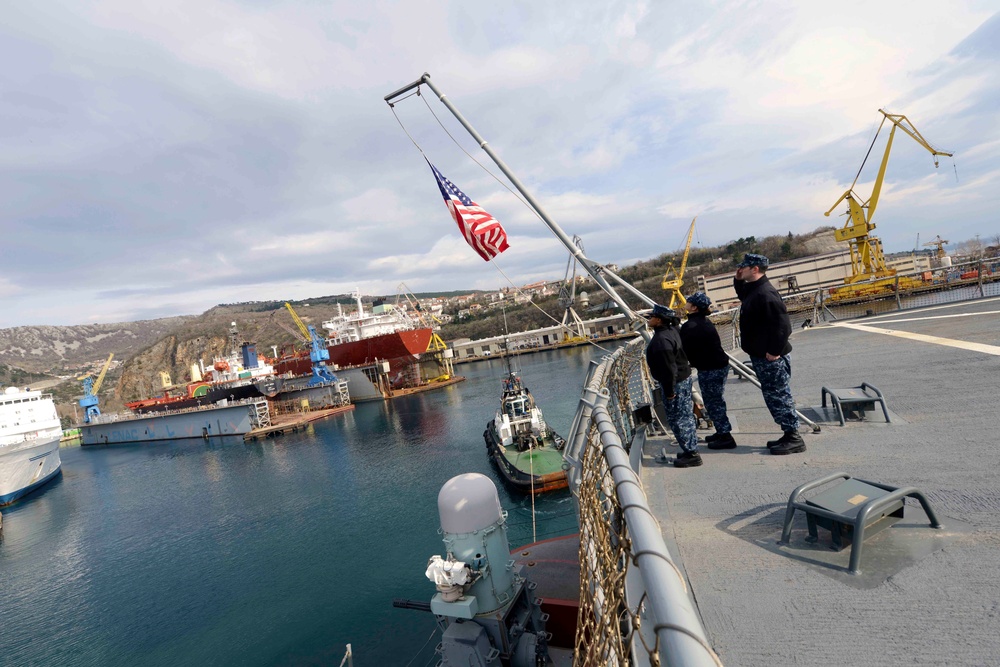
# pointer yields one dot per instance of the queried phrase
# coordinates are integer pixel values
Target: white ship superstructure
(350, 327)
(29, 442)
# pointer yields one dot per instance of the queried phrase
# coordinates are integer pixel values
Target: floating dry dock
(206, 422)
(250, 419)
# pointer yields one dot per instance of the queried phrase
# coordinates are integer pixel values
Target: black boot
(722, 441)
(687, 460)
(713, 437)
(790, 443)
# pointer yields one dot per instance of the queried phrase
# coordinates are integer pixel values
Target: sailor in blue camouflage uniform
(669, 366)
(703, 348)
(764, 332)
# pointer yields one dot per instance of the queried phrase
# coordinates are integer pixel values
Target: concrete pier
(294, 421)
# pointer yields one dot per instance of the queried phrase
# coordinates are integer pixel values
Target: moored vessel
(232, 377)
(29, 442)
(385, 342)
(526, 450)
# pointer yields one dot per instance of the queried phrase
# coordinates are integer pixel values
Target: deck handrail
(618, 530)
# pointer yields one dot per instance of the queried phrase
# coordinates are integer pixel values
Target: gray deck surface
(925, 597)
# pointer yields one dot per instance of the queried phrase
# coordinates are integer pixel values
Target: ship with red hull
(231, 378)
(371, 339)
(400, 348)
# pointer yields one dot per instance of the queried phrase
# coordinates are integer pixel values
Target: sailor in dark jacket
(704, 350)
(764, 332)
(669, 366)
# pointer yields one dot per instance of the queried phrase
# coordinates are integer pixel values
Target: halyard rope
(492, 260)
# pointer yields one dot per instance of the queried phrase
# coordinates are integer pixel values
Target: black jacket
(665, 355)
(702, 344)
(764, 323)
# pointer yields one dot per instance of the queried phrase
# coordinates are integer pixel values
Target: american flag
(480, 229)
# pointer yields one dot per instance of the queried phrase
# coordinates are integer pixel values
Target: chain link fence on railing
(619, 532)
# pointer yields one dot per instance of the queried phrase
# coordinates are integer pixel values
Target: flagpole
(590, 266)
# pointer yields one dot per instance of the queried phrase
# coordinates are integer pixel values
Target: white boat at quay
(29, 442)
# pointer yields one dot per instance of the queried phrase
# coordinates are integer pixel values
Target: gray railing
(620, 538)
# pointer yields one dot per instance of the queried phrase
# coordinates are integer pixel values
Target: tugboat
(526, 451)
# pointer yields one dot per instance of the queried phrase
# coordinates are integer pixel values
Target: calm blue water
(268, 553)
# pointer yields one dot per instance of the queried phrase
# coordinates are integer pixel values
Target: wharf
(924, 596)
(429, 386)
(294, 421)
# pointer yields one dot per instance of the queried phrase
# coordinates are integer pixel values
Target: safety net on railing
(619, 532)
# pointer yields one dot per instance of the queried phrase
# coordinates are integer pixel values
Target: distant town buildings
(602, 327)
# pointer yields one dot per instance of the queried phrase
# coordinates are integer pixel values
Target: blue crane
(318, 352)
(90, 388)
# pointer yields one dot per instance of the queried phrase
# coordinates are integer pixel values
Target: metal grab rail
(678, 630)
(602, 420)
(861, 518)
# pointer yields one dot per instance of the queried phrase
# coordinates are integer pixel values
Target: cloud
(160, 159)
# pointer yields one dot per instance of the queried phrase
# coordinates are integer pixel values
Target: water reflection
(269, 552)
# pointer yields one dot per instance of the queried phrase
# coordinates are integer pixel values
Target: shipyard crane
(426, 319)
(867, 259)
(90, 388)
(939, 243)
(673, 279)
(319, 354)
(567, 297)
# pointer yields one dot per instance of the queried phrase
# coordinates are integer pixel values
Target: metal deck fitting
(859, 397)
(850, 508)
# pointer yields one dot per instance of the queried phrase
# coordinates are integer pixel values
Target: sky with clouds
(162, 158)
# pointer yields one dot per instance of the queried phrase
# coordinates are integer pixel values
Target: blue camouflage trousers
(680, 415)
(713, 388)
(774, 377)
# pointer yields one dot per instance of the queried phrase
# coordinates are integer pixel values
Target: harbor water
(275, 552)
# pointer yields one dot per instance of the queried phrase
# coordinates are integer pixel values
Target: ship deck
(924, 596)
(538, 461)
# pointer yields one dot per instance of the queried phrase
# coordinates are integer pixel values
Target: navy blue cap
(699, 300)
(752, 259)
(662, 312)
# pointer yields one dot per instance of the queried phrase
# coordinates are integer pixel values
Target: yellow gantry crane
(939, 243)
(867, 259)
(673, 279)
(426, 319)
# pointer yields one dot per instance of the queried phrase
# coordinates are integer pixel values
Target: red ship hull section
(388, 346)
(402, 345)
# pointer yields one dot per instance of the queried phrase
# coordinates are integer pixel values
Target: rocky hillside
(67, 350)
